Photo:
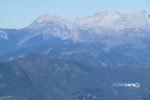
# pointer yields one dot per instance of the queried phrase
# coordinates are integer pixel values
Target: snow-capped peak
(53, 26)
(115, 20)
(47, 18)
(137, 20)
(100, 19)
(104, 19)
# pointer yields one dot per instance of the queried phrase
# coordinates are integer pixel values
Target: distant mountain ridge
(102, 28)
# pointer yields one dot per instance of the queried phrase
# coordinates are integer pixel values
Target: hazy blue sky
(20, 13)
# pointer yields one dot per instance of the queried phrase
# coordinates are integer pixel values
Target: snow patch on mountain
(48, 51)
(26, 39)
(3, 35)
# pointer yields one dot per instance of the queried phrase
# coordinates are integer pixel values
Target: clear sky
(20, 13)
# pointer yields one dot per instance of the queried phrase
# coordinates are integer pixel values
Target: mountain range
(57, 59)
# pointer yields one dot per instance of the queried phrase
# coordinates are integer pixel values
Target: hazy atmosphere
(20, 13)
